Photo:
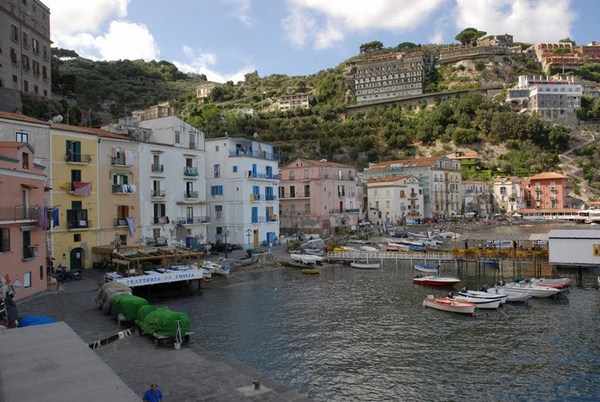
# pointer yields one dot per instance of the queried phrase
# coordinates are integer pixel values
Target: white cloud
(76, 16)
(527, 20)
(329, 21)
(241, 10)
(126, 40)
(203, 62)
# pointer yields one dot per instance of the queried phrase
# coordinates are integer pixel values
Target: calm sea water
(356, 335)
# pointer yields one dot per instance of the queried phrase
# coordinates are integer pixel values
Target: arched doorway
(76, 259)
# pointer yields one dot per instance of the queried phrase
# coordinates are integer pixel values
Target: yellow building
(118, 186)
(74, 195)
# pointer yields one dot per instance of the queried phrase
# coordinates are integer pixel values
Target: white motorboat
(535, 290)
(307, 259)
(502, 296)
(450, 305)
(365, 265)
(480, 302)
(391, 246)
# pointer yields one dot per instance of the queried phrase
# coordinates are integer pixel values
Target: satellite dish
(58, 118)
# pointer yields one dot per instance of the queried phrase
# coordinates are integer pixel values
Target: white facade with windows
(395, 200)
(242, 182)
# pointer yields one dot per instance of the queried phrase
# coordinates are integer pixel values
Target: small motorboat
(434, 280)
(365, 265)
(535, 290)
(428, 269)
(559, 283)
(480, 302)
(450, 305)
(484, 294)
(307, 259)
(391, 246)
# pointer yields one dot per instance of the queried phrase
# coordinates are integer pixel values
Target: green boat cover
(127, 305)
(163, 322)
(143, 312)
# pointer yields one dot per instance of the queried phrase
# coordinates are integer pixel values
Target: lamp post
(226, 235)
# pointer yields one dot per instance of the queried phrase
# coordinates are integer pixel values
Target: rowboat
(434, 280)
(449, 305)
(365, 265)
(429, 269)
(535, 290)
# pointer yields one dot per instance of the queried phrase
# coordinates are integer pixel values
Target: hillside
(92, 93)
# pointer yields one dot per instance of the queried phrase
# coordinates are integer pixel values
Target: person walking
(154, 394)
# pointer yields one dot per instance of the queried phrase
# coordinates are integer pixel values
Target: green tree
(371, 47)
(469, 36)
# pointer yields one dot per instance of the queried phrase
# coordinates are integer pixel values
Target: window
(307, 209)
(27, 279)
(77, 237)
(177, 137)
(35, 44)
(25, 160)
(73, 151)
(14, 33)
(216, 190)
(4, 239)
(307, 190)
(596, 250)
(218, 211)
(292, 175)
(21, 137)
(44, 73)
(27, 251)
(41, 272)
(292, 191)
(45, 52)
(25, 86)
(25, 40)
(13, 56)
(306, 174)
(339, 175)
(123, 239)
(25, 60)
(217, 171)
(235, 169)
(36, 68)
(254, 212)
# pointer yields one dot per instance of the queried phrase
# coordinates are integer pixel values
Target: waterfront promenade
(188, 374)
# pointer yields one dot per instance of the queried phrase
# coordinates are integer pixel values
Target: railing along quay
(389, 256)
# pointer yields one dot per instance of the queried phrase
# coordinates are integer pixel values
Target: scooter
(62, 274)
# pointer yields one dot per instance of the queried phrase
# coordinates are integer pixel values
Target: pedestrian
(154, 394)
(270, 245)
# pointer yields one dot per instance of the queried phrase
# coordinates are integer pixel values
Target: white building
(508, 194)
(574, 247)
(173, 183)
(476, 197)
(242, 182)
(552, 98)
(395, 200)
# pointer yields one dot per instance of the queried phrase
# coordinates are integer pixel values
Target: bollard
(256, 385)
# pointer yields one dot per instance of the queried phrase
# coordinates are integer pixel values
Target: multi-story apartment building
(395, 200)
(242, 180)
(508, 194)
(551, 98)
(476, 198)
(318, 197)
(439, 177)
(25, 46)
(75, 195)
(118, 184)
(291, 101)
(23, 218)
(389, 76)
(565, 56)
(547, 190)
(172, 183)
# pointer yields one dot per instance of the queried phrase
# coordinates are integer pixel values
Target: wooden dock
(428, 257)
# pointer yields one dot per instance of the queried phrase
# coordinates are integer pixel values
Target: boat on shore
(307, 259)
(365, 265)
(450, 305)
(434, 280)
(428, 269)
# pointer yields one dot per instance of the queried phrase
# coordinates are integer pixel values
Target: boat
(365, 265)
(391, 246)
(429, 269)
(535, 290)
(559, 283)
(499, 295)
(434, 280)
(480, 302)
(449, 305)
(311, 271)
(492, 263)
(307, 258)
(518, 297)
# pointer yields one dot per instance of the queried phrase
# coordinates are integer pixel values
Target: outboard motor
(451, 295)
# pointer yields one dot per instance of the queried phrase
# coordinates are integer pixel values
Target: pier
(396, 256)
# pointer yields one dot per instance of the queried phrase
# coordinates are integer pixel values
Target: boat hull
(536, 291)
(435, 280)
(449, 305)
(429, 269)
(365, 265)
(480, 302)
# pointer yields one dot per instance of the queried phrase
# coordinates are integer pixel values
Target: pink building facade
(548, 190)
(318, 197)
(23, 219)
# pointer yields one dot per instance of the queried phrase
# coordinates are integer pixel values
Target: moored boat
(480, 302)
(429, 269)
(365, 265)
(434, 280)
(449, 305)
(559, 283)
(535, 290)
(502, 296)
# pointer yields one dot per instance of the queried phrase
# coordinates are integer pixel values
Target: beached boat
(307, 258)
(535, 290)
(449, 305)
(365, 265)
(434, 280)
(428, 269)
(391, 246)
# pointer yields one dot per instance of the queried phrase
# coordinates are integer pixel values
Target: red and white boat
(434, 280)
(449, 305)
(558, 283)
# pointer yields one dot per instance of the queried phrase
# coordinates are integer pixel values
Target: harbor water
(364, 335)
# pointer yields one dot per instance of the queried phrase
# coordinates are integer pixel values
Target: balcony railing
(193, 145)
(78, 158)
(190, 171)
(270, 197)
(255, 154)
(18, 213)
(78, 224)
(120, 222)
(77, 219)
(156, 168)
(195, 220)
(190, 194)
(263, 219)
(160, 220)
(122, 189)
(345, 211)
(117, 160)
(254, 175)
(157, 193)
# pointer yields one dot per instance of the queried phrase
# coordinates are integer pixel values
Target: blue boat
(430, 269)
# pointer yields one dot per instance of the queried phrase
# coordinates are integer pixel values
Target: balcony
(345, 211)
(271, 197)
(120, 222)
(78, 224)
(156, 168)
(264, 176)
(18, 213)
(117, 160)
(255, 154)
(122, 189)
(194, 220)
(193, 145)
(78, 158)
(190, 194)
(157, 193)
(160, 220)
(190, 171)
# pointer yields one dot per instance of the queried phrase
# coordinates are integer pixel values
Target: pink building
(548, 190)
(318, 197)
(23, 219)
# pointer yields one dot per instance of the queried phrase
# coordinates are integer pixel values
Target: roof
(486, 236)
(312, 162)
(548, 175)
(90, 130)
(21, 117)
(574, 234)
(418, 162)
(388, 179)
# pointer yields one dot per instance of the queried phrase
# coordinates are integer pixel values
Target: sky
(226, 39)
